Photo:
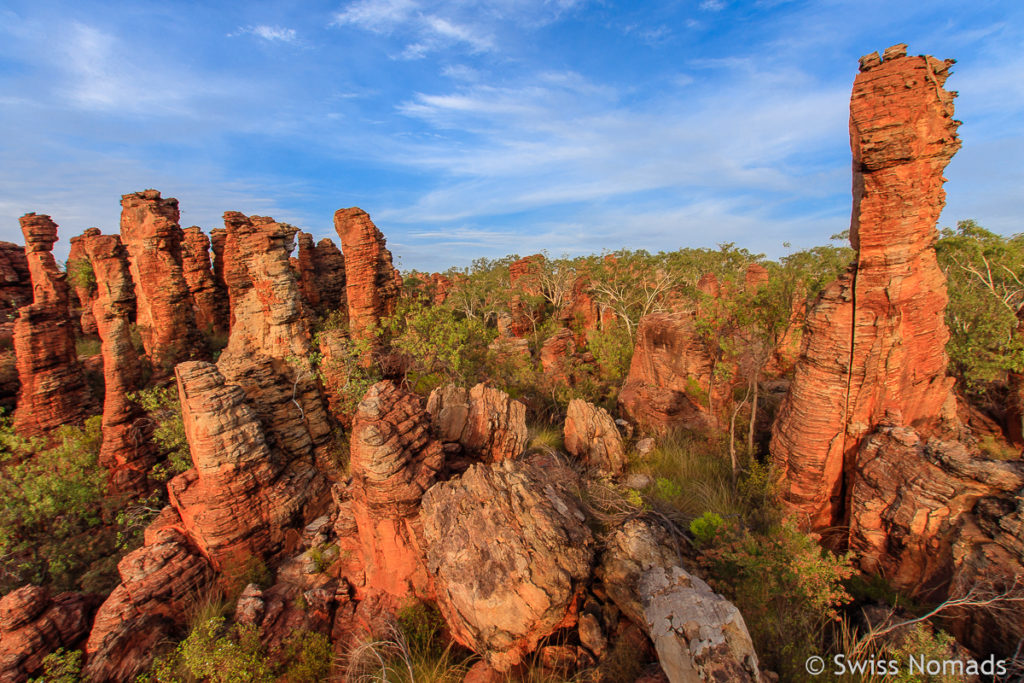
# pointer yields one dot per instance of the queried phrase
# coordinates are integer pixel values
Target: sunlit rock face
(370, 278)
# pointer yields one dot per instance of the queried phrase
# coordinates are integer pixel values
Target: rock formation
(371, 289)
(394, 459)
(159, 581)
(874, 347)
(270, 340)
(53, 389)
(669, 376)
(218, 239)
(242, 499)
(83, 286)
(209, 300)
(164, 312)
(698, 634)
(15, 281)
(321, 274)
(126, 451)
(524, 274)
(484, 421)
(591, 436)
(509, 549)
(556, 355)
(32, 625)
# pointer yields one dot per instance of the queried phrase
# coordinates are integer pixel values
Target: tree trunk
(753, 417)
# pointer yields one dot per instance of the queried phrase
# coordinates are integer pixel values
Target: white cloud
(712, 5)
(268, 33)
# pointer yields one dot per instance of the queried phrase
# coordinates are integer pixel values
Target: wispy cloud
(271, 34)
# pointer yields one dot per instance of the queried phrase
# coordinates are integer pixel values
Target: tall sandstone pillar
(874, 348)
(126, 451)
(53, 388)
(209, 299)
(371, 286)
(152, 236)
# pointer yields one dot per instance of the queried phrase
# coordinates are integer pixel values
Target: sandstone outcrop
(670, 376)
(371, 287)
(159, 581)
(270, 341)
(524, 274)
(557, 354)
(510, 551)
(698, 634)
(32, 625)
(15, 281)
(591, 435)
(209, 300)
(243, 499)
(394, 459)
(126, 451)
(164, 309)
(321, 274)
(874, 348)
(83, 286)
(218, 240)
(53, 389)
(485, 422)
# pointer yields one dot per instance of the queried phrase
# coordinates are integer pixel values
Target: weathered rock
(158, 583)
(243, 499)
(484, 421)
(32, 625)
(698, 634)
(15, 281)
(218, 240)
(321, 274)
(53, 388)
(755, 278)
(509, 548)
(524, 274)
(126, 451)
(371, 288)
(591, 435)
(49, 284)
(874, 349)
(908, 498)
(164, 312)
(669, 376)
(85, 292)
(209, 300)
(394, 459)
(270, 340)
(441, 286)
(557, 354)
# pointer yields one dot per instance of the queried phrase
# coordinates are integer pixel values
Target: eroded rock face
(591, 435)
(669, 376)
(85, 293)
(509, 548)
(126, 451)
(698, 634)
(15, 281)
(371, 287)
(49, 284)
(32, 625)
(394, 459)
(242, 498)
(164, 309)
(270, 341)
(209, 301)
(158, 583)
(874, 349)
(485, 421)
(524, 274)
(321, 274)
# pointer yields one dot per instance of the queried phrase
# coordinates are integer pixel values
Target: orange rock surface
(371, 287)
(209, 300)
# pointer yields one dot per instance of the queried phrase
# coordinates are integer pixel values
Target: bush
(61, 666)
(706, 527)
(787, 587)
(214, 653)
(163, 407)
(81, 275)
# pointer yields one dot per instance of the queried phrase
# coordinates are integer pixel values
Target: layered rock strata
(209, 300)
(371, 288)
(164, 307)
(670, 376)
(874, 348)
(81, 283)
(15, 281)
(126, 451)
(53, 389)
(33, 624)
(394, 459)
(510, 551)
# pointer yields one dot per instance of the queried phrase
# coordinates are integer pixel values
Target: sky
(471, 128)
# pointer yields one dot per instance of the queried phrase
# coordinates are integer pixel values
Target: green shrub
(61, 666)
(163, 407)
(706, 527)
(214, 653)
(81, 275)
(87, 346)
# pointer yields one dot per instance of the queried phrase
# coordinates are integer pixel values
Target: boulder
(485, 421)
(591, 435)
(32, 625)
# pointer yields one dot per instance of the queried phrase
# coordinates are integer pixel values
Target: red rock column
(209, 300)
(53, 389)
(125, 450)
(369, 275)
(85, 293)
(874, 350)
(152, 236)
(15, 282)
(307, 270)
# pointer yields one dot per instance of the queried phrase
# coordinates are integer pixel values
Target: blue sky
(470, 128)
